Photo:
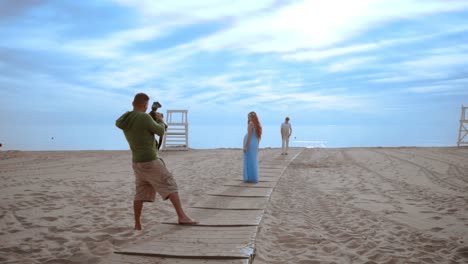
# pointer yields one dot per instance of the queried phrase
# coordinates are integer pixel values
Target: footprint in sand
(463, 252)
(452, 211)
(436, 229)
(49, 218)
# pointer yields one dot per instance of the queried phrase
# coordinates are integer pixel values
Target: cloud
(187, 11)
(431, 65)
(428, 89)
(67, 98)
(391, 79)
(241, 90)
(441, 87)
(10, 9)
(318, 24)
(262, 51)
(323, 54)
(329, 53)
(350, 64)
(437, 62)
(113, 46)
(140, 68)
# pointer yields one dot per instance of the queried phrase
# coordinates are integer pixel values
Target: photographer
(151, 175)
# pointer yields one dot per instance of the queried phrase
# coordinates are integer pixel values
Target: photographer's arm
(157, 127)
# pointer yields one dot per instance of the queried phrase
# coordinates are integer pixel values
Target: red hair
(257, 125)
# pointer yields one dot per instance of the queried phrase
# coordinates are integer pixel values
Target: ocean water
(325, 136)
(108, 137)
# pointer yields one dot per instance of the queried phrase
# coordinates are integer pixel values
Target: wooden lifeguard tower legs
(463, 131)
(176, 136)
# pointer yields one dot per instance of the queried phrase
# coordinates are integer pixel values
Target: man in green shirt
(151, 175)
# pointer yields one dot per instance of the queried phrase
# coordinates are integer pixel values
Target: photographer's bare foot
(187, 221)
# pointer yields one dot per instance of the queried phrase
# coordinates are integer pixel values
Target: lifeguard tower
(176, 136)
(463, 131)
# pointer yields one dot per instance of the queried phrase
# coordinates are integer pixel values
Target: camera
(155, 106)
(154, 110)
(152, 113)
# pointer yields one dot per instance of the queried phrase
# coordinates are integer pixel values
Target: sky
(381, 72)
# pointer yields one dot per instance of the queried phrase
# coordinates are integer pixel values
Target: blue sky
(72, 67)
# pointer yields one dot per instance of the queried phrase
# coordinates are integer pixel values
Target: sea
(108, 137)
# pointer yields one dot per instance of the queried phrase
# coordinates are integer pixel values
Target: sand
(353, 205)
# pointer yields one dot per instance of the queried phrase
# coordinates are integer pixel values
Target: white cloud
(69, 96)
(226, 82)
(189, 10)
(138, 69)
(349, 64)
(301, 25)
(238, 91)
(445, 87)
(329, 53)
(318, 24)
(112, 46)
(161, 17)
(313, 100)
(428, 89)
(432, 64)
(300, 29)
(322, 54)
(391, 79)
(437, 62)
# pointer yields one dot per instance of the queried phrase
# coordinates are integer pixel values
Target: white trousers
(285, 144)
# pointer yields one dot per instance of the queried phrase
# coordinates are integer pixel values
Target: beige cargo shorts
(152, 177)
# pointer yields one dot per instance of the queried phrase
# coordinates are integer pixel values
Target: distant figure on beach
(286, 131)
(151, 175)
(251, 143)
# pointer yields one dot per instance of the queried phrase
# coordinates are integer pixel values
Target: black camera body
(155, 106)
(154, 109)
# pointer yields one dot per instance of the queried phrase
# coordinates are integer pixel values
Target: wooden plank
(240, 183)
(268, 179)
(197, 242)
(272, 168)
(217, 239)
(229, 203)
(274, 165)
(279, 171)
(270, 172)
(143, 259)
(220, 217)
(192, 249)
(242, 192)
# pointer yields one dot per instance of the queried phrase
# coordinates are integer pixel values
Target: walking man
(286, 131)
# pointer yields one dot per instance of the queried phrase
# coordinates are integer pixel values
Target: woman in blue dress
(251, 142)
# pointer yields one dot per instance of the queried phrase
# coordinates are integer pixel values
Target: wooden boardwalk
(228, 220)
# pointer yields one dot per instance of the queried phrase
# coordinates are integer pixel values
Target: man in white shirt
(286, 131)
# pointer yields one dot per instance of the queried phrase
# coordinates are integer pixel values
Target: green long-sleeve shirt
(139, 129)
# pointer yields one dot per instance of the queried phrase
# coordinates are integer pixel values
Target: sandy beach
(350, 205)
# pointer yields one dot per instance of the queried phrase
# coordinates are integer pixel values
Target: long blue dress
(251, 159)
